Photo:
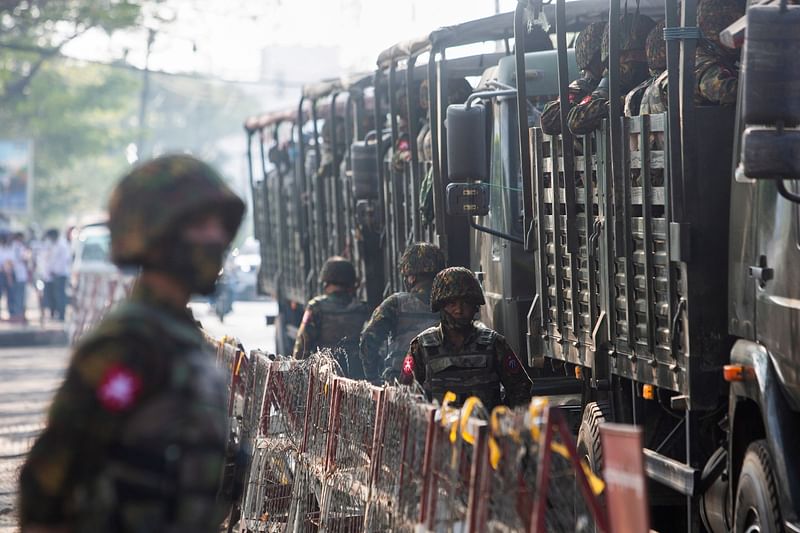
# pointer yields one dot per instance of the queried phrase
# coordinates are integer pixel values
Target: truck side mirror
(768, 153)
(466, 142)
(468, 199)
(770, 70)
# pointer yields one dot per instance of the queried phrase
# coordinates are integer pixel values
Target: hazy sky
(224, 38)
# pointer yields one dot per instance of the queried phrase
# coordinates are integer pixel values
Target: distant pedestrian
(6, 277)
(57, 270)
(20, 270)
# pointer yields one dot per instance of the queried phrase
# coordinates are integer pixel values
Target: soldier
(587, 55)
(460, 355)
(716, 74)
(401, 316)
(136, 434)
(334, 319)
(634, 28)
(640, 99)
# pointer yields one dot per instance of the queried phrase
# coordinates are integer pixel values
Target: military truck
(643, 267)
(662, 247)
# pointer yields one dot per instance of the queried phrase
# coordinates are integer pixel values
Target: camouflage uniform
(656, 50)
(401, 316)
(333, 321)
(479, 366)
(587, 115)
(715, 68)
(587, 50)
(136, 434)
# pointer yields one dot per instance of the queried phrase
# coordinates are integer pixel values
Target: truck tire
(588, 444)
(757, 507)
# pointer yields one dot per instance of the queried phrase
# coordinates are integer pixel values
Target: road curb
(33, 337)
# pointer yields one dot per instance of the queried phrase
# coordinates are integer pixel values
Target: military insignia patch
(119, 389)
(408, 365)
(512, 364)
(307, 316)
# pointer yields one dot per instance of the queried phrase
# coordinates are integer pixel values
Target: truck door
(776, 276)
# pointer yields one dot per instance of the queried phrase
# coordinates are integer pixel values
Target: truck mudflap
(780, 423)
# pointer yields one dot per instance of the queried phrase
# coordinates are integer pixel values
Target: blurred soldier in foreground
(634, 28)
(136, 435)
(463, 356)
(334, 319)
(403, 315)
(587, 55)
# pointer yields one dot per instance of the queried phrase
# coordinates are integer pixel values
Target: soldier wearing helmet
(136, 434)
(401, 316)
(640, 99)
(634, 29)
(587, 55)
(716, 72)
(461, 356)
(334, 319)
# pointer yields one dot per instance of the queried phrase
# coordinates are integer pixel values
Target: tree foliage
(82, 116)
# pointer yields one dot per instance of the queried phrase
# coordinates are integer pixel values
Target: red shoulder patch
(307, 316)
(408, 365)
(586, 99)
(119, 389)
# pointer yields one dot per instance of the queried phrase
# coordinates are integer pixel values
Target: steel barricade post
(353, 422)
(561, 477)
(398, 473)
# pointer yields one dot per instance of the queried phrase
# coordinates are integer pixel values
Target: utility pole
(151, 37)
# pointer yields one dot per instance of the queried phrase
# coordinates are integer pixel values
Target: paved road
(28, 379)
(246, 322)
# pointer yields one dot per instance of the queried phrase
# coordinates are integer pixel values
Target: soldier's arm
(307, 333)
(551, 118)
(719, 84)
(512, 373)
(413, 365)
(382, 323)
(586, 116)
(102, 385)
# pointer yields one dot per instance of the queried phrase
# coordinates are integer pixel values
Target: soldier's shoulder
(429, 337)
(317, 301)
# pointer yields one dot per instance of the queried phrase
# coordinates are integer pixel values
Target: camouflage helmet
(421, 258)
(713, 16)
(455, 283)
(633, 31)
(587, 44)
(338, 271)
(154, 198)
(656, 48)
